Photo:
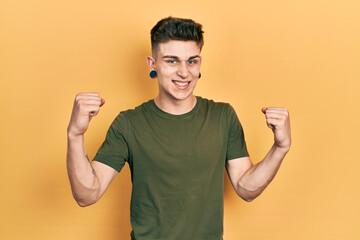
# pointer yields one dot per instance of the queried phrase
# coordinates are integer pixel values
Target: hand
(86, 106)
(278, 120)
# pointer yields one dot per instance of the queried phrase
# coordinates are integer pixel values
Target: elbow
(84, 204)
(247, 196)
(85, 196)
(84, 201)
(247, 193)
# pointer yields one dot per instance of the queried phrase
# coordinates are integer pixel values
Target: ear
(150, 62)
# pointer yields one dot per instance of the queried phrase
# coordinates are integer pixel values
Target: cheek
(195, 70)
(167, 71)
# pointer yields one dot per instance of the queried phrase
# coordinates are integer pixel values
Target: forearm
(85, 185)
(258, 177)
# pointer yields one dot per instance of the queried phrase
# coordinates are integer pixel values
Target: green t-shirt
(177, 167)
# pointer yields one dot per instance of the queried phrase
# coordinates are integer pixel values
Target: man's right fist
(86, 106)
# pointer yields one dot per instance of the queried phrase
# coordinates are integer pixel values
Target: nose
(183, 71)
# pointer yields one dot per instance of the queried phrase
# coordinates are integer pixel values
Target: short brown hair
(171, 28)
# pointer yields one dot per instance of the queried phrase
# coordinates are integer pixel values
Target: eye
(192, 62)
(172, 61)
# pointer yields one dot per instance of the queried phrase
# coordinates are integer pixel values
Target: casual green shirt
(177, 167)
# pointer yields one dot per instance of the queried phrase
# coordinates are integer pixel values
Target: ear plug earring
(153, 74)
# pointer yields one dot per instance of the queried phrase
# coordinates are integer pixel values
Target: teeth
(181, 83)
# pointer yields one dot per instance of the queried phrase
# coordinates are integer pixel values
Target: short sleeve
(114, 151)
(236, 146)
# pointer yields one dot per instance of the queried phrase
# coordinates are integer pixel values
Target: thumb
(102, 102)
(264, 109)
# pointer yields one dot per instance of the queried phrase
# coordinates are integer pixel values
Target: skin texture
(249, 180)
(178, 65)
(178, 61)
(88, 181)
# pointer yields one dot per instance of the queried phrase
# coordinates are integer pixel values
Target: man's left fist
(278, 120)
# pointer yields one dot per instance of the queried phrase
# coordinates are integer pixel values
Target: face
(177, 64)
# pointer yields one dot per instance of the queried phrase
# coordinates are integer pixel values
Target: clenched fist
(278, 120)
(86, 106)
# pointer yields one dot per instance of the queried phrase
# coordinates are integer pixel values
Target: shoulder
(126, 119)
(214, 105)
(135, 116)
(135, 112)
(223, 110)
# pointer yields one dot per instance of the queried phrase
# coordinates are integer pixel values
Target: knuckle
(81, 107)
(80, 94)
(80, 101)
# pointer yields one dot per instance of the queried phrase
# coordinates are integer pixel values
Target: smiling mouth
(181, 84)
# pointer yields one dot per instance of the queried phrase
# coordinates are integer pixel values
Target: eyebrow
(177, 58)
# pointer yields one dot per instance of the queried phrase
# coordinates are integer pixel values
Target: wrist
(283, 148)
(73, 133)
(72, 136)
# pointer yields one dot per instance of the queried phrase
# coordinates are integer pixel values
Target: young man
(176, 145)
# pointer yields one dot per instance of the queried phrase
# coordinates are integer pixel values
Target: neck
(174, 106)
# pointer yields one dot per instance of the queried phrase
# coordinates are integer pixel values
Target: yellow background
(303, 55)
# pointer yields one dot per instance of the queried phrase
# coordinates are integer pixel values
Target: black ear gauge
(153, 74)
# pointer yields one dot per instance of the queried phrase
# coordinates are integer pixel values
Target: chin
(181, 97)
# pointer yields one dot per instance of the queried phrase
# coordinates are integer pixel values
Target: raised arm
(249, 180)
(88, 180)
